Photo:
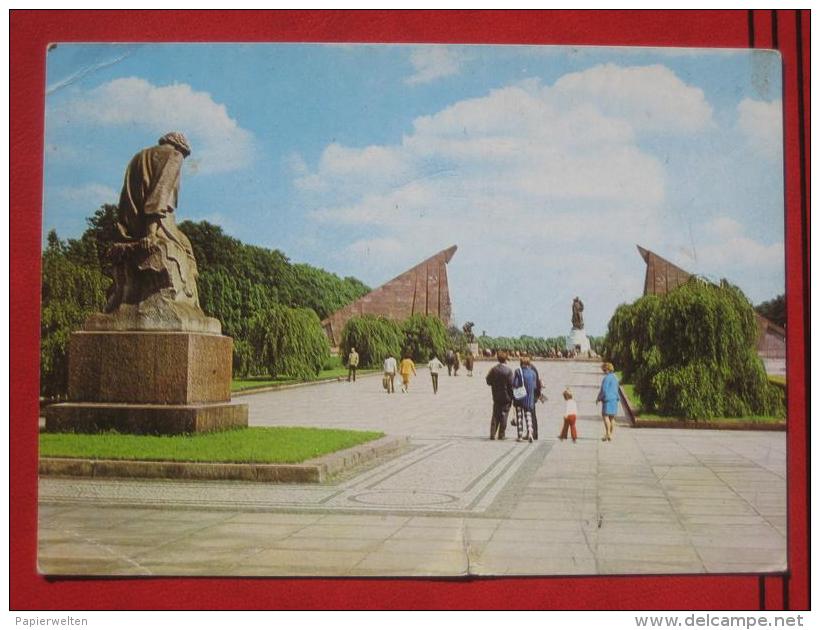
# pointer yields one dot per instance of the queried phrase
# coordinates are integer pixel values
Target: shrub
(424, 337)
(375, 338)
(289, 341)
(692, 353)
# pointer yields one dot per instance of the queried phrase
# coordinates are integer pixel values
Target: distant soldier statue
(577, 314)
(468, 331)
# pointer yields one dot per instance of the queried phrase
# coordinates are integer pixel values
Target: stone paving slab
(649, 502)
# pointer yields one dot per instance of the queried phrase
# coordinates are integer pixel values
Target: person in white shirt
(570, 415)
(390, 369)
(435, 365)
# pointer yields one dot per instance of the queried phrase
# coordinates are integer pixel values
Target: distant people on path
(406, 368)
(435, 365)
(449, 359)
(390, 368)
(352, 364)
(570, 416)
(468, 363)
(526, 377)
(500, 379)
(456, 363)
(608, 396)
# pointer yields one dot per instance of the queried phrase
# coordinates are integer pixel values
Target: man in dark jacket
(500, 378)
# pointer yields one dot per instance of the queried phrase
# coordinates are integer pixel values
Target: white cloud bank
(761, 123)
(219, 144)
(431, 63)
(542, 187)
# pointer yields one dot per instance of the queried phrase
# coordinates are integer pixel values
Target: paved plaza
(452, 503)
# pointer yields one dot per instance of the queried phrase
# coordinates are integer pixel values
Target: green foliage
(375, 338)
(456, 341)
(70, 293)
(236, 283)
(424, 337)
(323, 291)
(525, 344)
(692, 353)
(289, 341)
(774, 310)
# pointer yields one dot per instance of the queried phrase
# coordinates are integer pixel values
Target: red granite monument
(421, 290)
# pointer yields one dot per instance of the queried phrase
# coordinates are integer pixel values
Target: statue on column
(577, 314)
(152, 261)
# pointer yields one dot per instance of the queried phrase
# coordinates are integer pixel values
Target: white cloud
(219, 144)
(89, 194)
(650, 97)
(551, 180)
(433, 62)
(728, 248)
(761, 123)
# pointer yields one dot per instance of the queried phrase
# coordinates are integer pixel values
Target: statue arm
(163, 195)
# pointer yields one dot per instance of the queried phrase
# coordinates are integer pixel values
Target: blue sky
(545, 165)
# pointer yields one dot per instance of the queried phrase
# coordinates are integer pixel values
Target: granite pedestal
(159, 382)
(578, 341)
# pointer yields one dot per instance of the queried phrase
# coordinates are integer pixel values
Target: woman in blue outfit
(525, 407)
(608, 396)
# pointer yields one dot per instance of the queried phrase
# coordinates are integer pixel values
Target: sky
(545, 165)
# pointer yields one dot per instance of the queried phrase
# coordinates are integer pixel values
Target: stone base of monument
(145, 419)
(148, 382)
(578, 341)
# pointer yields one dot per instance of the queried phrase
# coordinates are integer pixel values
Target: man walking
(435, 365)
(390, 369)
(500, 379)
(352, 364)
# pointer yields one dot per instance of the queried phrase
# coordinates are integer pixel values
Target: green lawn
(270, 445)
(253, 382)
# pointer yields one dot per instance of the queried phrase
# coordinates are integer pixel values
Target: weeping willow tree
(425, 336)
(692, 353)
(375, 338)
(289, 341)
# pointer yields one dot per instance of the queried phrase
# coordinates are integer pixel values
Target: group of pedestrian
(407, 369)
(522, 388)
(404, 368)
(519, 389)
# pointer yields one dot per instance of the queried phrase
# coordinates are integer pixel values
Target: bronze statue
(468, 331)
(152, 261)
(577, 314)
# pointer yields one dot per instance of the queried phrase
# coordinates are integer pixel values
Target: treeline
(692, 353)
(270, 306)
(533, 346)
(419, 337)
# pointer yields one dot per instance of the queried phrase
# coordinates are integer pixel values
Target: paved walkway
(650, 501)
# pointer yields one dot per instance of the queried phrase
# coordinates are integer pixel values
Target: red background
(31, 31)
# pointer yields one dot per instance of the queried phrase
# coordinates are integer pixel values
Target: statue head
(177, 140)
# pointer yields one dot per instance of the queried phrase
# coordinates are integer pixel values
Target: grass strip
(262, 445)
(254, 382)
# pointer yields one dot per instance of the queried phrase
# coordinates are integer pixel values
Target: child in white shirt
(570, 415)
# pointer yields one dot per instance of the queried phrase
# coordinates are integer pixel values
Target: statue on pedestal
(152, 362)
(577, 314)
